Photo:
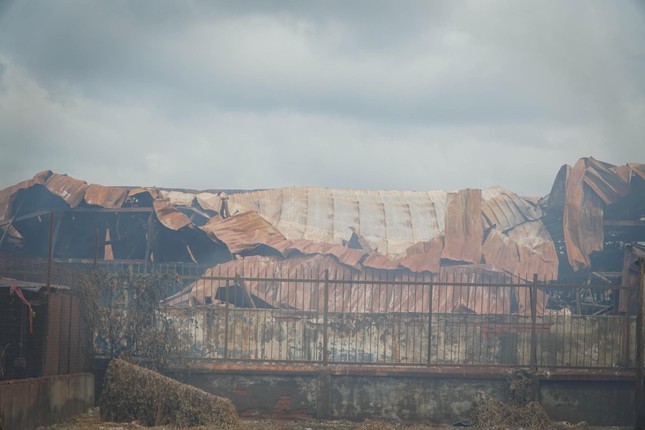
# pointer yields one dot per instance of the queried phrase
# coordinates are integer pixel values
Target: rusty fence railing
(403, 320)
(465, 316)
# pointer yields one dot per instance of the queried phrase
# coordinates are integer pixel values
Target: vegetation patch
(133, 393)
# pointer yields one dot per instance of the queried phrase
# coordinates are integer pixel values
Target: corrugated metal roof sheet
(169, 216)
(588, 186)
(7, 194)
(347, 296)
(70, 189)
(106, 197)
(390, 221)
(505, 209)
(464, 229)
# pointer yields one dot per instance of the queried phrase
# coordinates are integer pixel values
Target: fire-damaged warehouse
(580, 228)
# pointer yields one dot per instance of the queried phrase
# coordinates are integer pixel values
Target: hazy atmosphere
(363, 94)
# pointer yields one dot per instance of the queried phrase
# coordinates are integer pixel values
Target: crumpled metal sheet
(169, 216)
(424, 256)
(464, 229)
(589, 186)
(70, 189)
(390, 221)
(420, 257)
(209, 201)
(106, 197)
(248, 231)
(7, 194)
(244, 232)
(178, 198)
(346, 295)
(504, 209)
(526, 250)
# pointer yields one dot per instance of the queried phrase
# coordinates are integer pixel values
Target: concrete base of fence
(406, 397)
(28, 403)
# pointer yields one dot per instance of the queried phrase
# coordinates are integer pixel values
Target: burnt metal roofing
(416, 230)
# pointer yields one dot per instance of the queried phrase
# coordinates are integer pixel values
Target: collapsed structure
(579, 228)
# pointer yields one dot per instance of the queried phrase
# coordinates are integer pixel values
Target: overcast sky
(350, 94)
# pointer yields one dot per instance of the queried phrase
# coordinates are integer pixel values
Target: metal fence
(393, 318)
(465, 316)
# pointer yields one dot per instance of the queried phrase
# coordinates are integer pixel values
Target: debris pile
(519, 412)
(132, 393)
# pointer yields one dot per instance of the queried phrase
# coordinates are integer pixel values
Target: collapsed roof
(591, 205)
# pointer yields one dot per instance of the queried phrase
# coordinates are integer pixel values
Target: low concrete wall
(270, 334)
(28, 403)
(442, 399)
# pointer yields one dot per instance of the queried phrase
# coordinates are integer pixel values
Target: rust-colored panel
(583, 210)
(371, 294)
(152, 192)
(244, 232)
(106, 197)
(7, 193)
(504, 209)
(169, 216)
(464, 229)
(424, 256)
(378, 261)
(70, 189)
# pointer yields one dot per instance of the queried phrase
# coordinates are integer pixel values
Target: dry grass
(134, 394)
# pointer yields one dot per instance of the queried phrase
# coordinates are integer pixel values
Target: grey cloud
(344, 94)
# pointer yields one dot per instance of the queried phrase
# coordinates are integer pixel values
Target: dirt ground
(92, 421)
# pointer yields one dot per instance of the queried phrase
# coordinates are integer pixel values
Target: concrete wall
(28, 403)
(433, 399)
(261, 334)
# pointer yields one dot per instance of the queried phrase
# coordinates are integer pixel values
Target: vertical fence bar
(226, 312)
(638, 407)
(533, 323)
(325, 352)
(430, 287)
(50, 252)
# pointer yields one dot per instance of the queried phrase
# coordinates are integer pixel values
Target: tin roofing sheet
(107, 197)
(264, 278)
(390, 221)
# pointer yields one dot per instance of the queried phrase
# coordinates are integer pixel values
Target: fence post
(430, 324)
(533, 323)
(226, 312)
(325, 355)
(640, 338)
(50, 252)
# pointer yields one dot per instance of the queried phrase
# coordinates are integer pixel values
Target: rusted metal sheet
(347, 256)
(373, 291)
(6, 195)
(504, 209)
(169, 216)
(590, 186)
(245, 232)
(464, 230)
(106, 197)
(70, 189)
(178, 198)
(390, 221)
(526, 250)
(424, 256)
(209, 201)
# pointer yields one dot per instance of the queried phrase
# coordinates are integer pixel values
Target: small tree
(123, 313)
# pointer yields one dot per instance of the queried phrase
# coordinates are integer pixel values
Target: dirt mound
(132, 393)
